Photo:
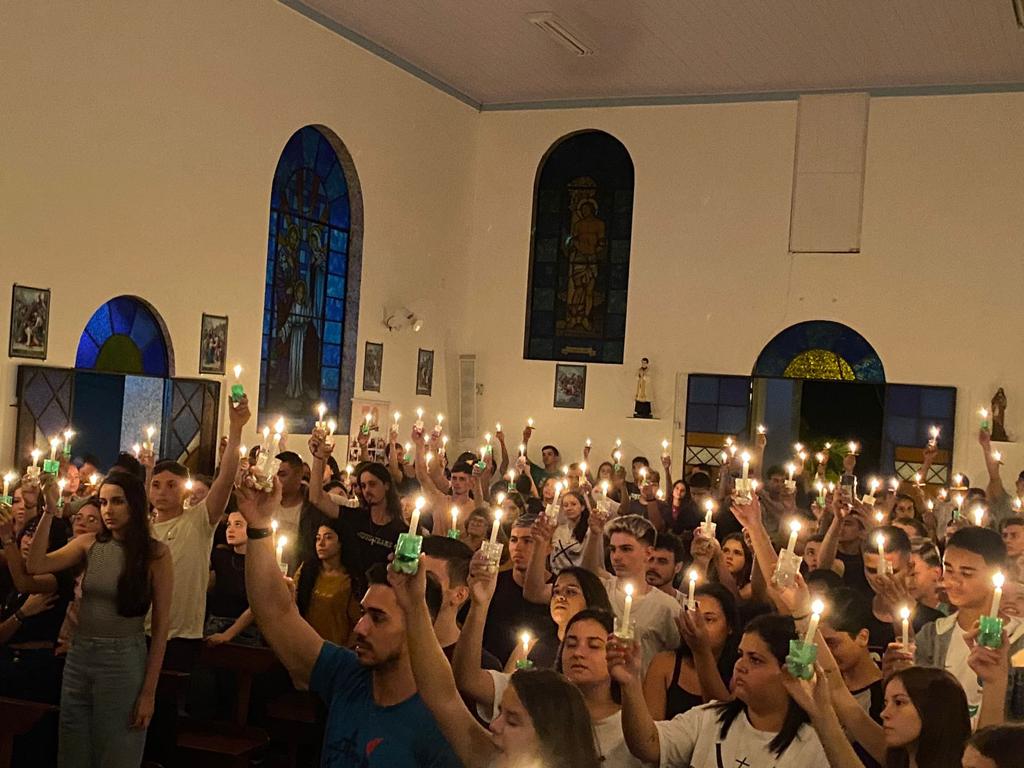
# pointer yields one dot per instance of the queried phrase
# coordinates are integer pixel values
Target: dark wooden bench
(295, 720)
(18, 717)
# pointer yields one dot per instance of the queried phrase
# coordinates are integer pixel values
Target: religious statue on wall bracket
(999, 416)
(642, 398)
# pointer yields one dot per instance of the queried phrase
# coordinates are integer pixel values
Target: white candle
(281, 541)
(643, 474)
(983, 413)
(273, 533)
(414, 518)
(495, 526)
(419, 418)
(853, 447)
(934, 436)
(524, 638)
(135, 449)
(761, 430)
(500, 498)
(440, 420)
(522, 449)
(9, 478)
(664, 447)
(691, 602)
(36, 453)
(396, 415)
(797, 447)
(629, 606)
(997, 594)
(604, 487)
(588, 443)
(817, 608)
(880, 541)
(455, 518)
(68, 434)
(905, 616)
(794, 532)
(54, 442)
(790, 469)
(979, 515)
(709, 508)
(618, 457)
(332, 425)
(746, 464)
(497, 427)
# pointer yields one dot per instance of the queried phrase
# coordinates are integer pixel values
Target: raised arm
(813, 698)
(749, 516)
(503, 466)
(992, 665)
(830, 544)
(694, 631)
(295, 642)
(638, 727)
(593, 544)
(470, 678)
(71, 554)
(23, 581)
(434, 679)
(220, 490)
(437, 500)
(320, 450)
(535, 584)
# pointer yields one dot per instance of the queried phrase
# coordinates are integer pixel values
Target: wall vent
(558, 31)
(467, 397)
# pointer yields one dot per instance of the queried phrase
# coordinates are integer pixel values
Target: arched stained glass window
(579, 259)
(124, 336)
(311, 289)
(820, 349)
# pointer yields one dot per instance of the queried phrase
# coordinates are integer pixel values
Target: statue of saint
(998, 416)
(642, 399)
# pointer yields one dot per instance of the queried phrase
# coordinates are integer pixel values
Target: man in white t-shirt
(631, 541)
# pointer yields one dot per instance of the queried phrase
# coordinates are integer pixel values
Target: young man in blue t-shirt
(375, 717)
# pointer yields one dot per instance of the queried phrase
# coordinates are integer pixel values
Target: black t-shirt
(510, 613)
(725, 521)
(364, 543)
(882, 633)
(227, 599)
(853, 575)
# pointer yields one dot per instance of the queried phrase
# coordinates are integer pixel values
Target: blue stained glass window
(124, 336)
(307, 263)
(840, 340)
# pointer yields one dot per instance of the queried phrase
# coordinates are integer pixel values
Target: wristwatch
(258, 533)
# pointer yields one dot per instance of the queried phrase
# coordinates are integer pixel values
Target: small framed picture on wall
(30, 322)
(213, 344)
(425, 372)
(373, 363)
(570, 386)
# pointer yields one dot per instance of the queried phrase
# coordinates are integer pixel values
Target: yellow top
(333, 610)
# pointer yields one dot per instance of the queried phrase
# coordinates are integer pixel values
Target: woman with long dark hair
(544, 719)
(110, 677)
(925, 720)
(675, 682)
(567, 539)
(324, 593)
(762, 725)
(738, 560)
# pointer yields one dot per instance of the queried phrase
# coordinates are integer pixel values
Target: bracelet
(258, 533)
(20, 616)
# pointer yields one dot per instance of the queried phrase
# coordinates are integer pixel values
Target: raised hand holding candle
(882, 563)
(933, 439)
(628, 609)
(148, 444)
(525, 663)
(455, 522)
(691, 601)
(794, 532)
(905, 618)
(529, 423)
(497, 426)
(983, 413)
(817, 608)
(761, 430)
(68, 434)
(237, 391)
(495, 526)
(664, 448)
(419, 419)
(54, 443)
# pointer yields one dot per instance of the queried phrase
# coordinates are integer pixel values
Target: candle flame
(794, 526)
(420, 502)
(998, 579)
(818, 607)
(279, 425)
(904, 613)
(693, 574)
(629, 590)
(238, 370)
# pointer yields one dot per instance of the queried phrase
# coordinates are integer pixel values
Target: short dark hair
(849, 612)
(641, 460)
(377, 575)
(92, 458)
(130, 465)
(168, 465)
(1002, 744)
(463, 467)
(1011, 521)
(550, 447)
(980, 541)
(896, 540)
(669, 542)
(700, 481)
(291, 458)
(774, 469)
(913, 522)
(455, 554)
(828, 579)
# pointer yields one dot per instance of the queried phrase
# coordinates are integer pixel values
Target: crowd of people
(490, 610)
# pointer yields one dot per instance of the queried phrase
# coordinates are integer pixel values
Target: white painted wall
(934, 289)
(138, 142)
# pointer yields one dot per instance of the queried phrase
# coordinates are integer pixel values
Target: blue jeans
(102, 680)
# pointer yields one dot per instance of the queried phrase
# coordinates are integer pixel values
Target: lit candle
(396, 415)
(348, 473)
(189, 485)
(1016, 504)
(419, 418)
(628, 609)
(588, 443)
(797, 447)
(746, 465)
(905, 617)
(135, 449)
(281, 541)
(273, 532)
(933, 439)
(150, 431)
(617, 456)
(266, 436)
(618, 442)
(583, 467)
(732, 450)
(997, 594)
(522, 449)
(414, 519)
(930, 505)
(529, 423)
(691, 602)
(440, 421)
(366, 423)
(853, 447)
(664, 448)
(565, 469)
(408, 451)
(497, 427)
(643, 474)
(790, 469)
(659, 494)
(54, 442)
(332, 425)
(979, 514)
(761, 430)
(236, 389)
(880, 541)
(511, 477)
(495, 526)
(525, 638)
(728, 441)
(500, 498)
(455, 518)
(817, 608)
(879, 517)
(820, 488)
(917, 478)
(943, 493)
(958, 481)
(68, 434)
(819, 457)
(429, 457)
(958, 502)
(997, 457)
(983, 413)
(794, 532)
(36, 454)
(828, 446)
(709, 508)
(9, 478)
(894, 483)
(604, 487)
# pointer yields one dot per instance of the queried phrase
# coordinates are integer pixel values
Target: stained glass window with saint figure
(304, 311)
(579, 260)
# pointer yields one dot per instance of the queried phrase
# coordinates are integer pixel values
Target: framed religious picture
(213, 344)
(425, 372)
(30, 322)
(570, 386)
(373, 362)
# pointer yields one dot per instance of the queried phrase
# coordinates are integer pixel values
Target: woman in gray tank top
(110, 678)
